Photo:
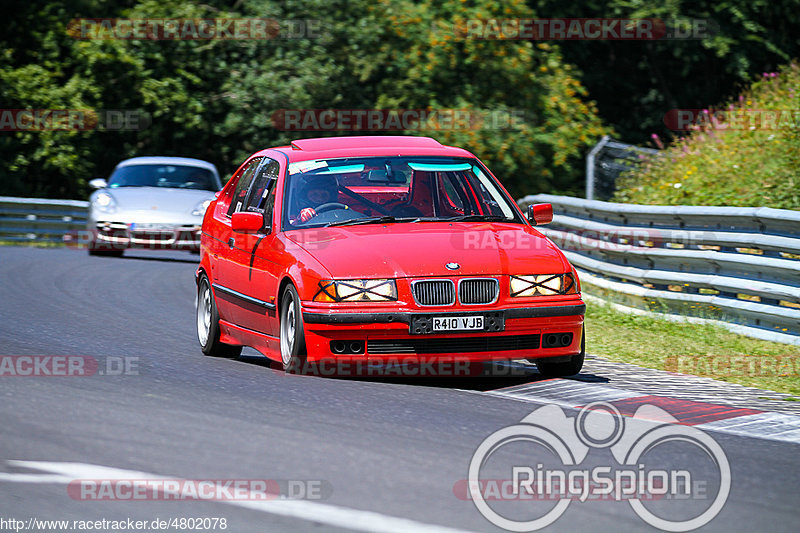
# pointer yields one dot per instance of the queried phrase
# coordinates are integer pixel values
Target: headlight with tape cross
(543, 285)
(357, 290)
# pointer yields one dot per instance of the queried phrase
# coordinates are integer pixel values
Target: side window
(262, 193)
(243, 185)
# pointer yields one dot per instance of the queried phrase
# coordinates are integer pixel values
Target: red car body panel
(248, 272)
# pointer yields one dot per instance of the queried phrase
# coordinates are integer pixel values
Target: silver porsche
(151, 202)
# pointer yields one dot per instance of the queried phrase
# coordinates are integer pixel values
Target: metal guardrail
(40, 220)
(735, 265)
(606, 161)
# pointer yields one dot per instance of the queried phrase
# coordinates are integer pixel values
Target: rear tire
(292, 336)
(208, 323)
(566, 368)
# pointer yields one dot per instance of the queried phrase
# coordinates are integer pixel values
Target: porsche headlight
(357, 290)
(105, 202)
(543, 285)
(200, 209)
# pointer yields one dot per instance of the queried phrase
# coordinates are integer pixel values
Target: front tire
(566, 368)
(208, 323)
(104, 252)
(292, 336)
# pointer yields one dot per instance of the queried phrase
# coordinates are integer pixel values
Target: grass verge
(33, 243)
(699, 349)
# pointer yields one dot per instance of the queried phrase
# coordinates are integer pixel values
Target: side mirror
(247, 222)
(98, 183)
(539, 214)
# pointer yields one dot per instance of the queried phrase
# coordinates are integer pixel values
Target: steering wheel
(329, 206)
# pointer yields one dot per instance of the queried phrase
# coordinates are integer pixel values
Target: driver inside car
(315, 192)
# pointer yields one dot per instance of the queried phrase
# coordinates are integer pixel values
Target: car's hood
(423, 249)
(155, 203)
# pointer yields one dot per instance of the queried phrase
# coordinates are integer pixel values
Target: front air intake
(434, 292)
(478, 291)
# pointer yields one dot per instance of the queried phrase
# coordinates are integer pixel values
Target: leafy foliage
(215, 99)
(635, 83)
(747, 165)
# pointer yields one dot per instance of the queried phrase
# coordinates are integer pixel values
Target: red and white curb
(703, 415)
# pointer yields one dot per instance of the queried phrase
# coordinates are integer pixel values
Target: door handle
(230, 242)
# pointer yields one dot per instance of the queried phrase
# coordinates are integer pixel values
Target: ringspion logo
(524, 477)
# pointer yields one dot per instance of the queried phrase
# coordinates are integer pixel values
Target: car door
(254, 273)
(223, 252)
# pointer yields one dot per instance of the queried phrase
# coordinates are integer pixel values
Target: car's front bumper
(388, 336)
(121, 235)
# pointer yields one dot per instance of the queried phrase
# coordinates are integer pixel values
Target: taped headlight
(357, 290)
(543, 285)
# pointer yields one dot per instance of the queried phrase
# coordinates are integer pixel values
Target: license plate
(458, 323)
(138, 226)
(425, 324)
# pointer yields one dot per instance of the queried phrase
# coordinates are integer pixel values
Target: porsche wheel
(208, 323)
(104, 252)
(565, 368)
(292, 337)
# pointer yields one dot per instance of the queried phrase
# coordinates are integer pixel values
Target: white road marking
(323, 513)
(771, 426)
(20, 477)
(573, 394)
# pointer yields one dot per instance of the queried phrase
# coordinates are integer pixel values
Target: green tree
(636, 82)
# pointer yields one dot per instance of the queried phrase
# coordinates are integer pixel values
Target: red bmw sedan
(380, 250)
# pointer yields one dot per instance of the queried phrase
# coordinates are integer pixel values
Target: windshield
(172, 176)
(338, 192)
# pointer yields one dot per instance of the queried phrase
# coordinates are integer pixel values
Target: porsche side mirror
(539, 214)
(98, 183)
(247, 222)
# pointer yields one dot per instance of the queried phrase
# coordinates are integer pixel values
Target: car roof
(164, 160)
(377, 145)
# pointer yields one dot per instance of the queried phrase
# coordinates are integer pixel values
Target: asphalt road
(392, 448)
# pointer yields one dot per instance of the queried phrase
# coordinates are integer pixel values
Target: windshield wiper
(372, 220)
(477, 218)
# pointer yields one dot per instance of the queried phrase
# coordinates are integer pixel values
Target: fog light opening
(356, 346)
(347, 347)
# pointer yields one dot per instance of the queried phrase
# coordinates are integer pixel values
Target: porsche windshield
(354, 191)
(172, 176)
